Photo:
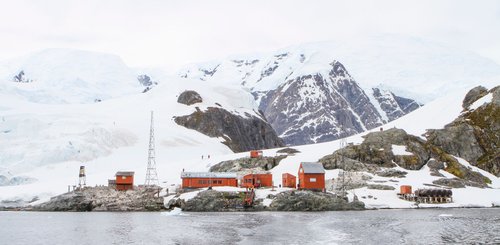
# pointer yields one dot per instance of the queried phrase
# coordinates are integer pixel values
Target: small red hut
(255, 154)
(207, 179)
(289, 180)
(124, 180)
(311, 176)
(257, 180)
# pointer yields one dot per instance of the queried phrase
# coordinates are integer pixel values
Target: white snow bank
(400, 150)
(483, 100)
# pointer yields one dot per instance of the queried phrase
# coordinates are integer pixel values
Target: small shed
(405, 189)
(311, 176)
(124, 180)
(112, 183)
(289, 180)
(257, 180)
(207, 179)
(255, 154)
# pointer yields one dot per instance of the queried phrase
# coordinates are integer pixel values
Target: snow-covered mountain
(56, 76)
(306, 94)
(319, 92)
(414, 68)
(319, 107)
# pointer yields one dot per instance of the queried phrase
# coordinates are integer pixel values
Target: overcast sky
(173, 33)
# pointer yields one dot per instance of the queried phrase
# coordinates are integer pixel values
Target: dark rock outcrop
(239, 133)
(147, 82)
(394, 106)
(380, 187)
(104, 199)
(376, 151)
(21, 78)
(247, 164)
(312, 201)
(473, 95)
(189, 97)
(216, 201)
(457, 183)
(474, 136)
(288, 150)
(391, 173)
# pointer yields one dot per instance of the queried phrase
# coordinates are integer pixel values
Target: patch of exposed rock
(457, 183)
(214, 201)
(473, 95)
(474, 136)
(104, 199)
(246, 164)
(288, 150)
(312, 201)
(391, 173)
(189, 97)
(376, 152)
(380, 187)
(239, 133)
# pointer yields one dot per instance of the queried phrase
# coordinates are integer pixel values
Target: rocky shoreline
(103, 199)
(293, 200)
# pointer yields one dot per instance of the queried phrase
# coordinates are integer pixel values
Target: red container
(405, 189)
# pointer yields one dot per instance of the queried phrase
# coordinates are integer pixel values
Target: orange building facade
(207, 179)
(289, 180)
(256, 154)
(405, 189)
(257, 180)
(311, 176)
(124, 181)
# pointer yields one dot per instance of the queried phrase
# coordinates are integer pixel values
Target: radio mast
(151, 173)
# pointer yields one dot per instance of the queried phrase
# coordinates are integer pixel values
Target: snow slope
(50, 142)
(56, 76)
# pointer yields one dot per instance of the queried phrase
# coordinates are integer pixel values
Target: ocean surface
(424, 226)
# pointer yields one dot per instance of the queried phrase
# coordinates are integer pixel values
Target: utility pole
(151, 173)
(343, 144)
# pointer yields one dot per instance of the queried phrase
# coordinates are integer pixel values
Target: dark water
(431, 226)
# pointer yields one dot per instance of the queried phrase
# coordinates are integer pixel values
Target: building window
(312, 179)
(123, 177)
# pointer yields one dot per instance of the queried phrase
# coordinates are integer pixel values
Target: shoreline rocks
(103, 199)
(215, 201)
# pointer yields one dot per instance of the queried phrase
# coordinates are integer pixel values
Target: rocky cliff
(474, 136)
(239, 132)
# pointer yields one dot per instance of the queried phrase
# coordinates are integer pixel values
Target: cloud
(154, 32)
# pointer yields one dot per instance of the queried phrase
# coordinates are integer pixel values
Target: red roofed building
(311, 176)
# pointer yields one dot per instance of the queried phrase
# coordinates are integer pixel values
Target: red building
(289, 180)
(255, 154)
(311, 176)
(207, 179)
(257, 180)
(124, 180)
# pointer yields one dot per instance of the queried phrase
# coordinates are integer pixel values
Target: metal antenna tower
(343, 144)
(151, 173)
